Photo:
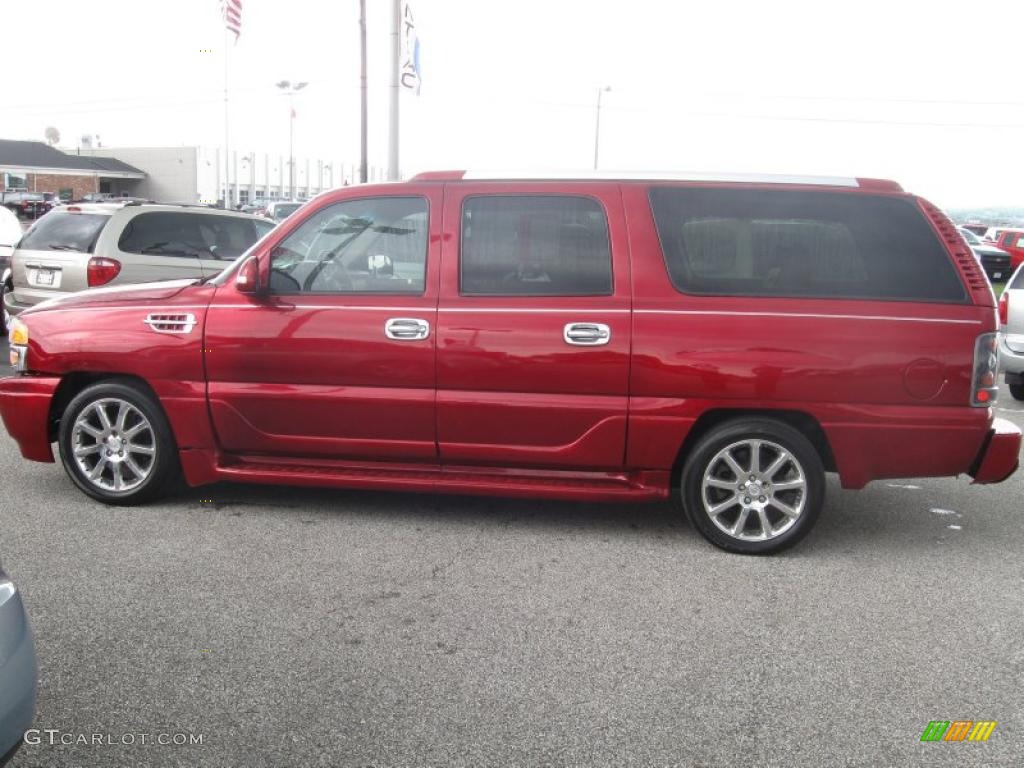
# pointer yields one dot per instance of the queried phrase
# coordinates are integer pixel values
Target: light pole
(597, 123)
(290, 89)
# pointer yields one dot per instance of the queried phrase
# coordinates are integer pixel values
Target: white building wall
(194, 174)
(170, 171)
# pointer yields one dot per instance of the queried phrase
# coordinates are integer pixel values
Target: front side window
(536, 245)
(374, 245)
(751, 242)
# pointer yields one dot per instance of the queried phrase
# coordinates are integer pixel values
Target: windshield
(65, 232)
(970, 237)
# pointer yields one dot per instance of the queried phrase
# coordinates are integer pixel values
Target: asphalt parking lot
(290, 627)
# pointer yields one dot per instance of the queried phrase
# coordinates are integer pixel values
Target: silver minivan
(88, 245)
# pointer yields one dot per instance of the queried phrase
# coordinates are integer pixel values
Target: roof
(36, 154)
(740, 178)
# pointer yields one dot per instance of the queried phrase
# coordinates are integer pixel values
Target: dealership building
(168, 174)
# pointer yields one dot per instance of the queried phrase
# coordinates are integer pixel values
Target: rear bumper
(13, 306)
(1000, 455)
(1010, 360)
(25, 410)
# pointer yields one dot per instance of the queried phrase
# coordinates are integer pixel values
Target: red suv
(1012, 241)
(721, 341)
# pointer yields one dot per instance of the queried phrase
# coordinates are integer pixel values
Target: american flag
(232, 16)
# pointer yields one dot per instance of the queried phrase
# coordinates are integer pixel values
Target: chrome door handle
(587, 334)
(406, 329)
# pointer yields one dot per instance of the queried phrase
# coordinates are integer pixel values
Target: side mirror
(247, 279)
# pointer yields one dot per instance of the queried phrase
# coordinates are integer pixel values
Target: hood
(117, 294)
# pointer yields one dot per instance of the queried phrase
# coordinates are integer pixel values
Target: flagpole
(396, 26)
(362, 93)
(227, 183)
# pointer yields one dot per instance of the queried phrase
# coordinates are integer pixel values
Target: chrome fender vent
(168, 322)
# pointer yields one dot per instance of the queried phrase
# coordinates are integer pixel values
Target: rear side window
(189, 235)
(747, 242)
(65, 232)
(535, 246)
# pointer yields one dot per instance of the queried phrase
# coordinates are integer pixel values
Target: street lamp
(597, 123)
(290, 89)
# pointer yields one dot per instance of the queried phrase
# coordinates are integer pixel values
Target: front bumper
(19, 670)
(25, 410)
(1000, 454)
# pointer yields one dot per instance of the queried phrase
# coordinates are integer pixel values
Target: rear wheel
(116, 445)
(753, 486)
(1017, 390)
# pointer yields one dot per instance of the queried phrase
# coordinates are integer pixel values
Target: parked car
(1012, 241)
(977, 229)
(995, 261)
(90, 245)
(281, 209)
(1011, 347)
(19, 672)
(10, 234)
(577, 338)
(25, 205)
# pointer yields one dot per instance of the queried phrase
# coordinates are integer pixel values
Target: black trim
(1015, 379)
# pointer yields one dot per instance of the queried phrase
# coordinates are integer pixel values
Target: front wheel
(1017, 390)
(753, 486)
(116, 445)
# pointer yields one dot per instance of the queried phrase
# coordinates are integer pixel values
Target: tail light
(984, 385)
(1004, 308)
(101, 271)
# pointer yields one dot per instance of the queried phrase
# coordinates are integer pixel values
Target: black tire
(803, 466)
(4, 288)
(1017, 391)
(162, 470)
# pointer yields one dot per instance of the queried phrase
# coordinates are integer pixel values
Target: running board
(482, 481)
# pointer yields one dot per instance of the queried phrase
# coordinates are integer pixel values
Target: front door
(338, 360)
(534, 326)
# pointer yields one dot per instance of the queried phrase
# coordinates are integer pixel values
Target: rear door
(534, 326)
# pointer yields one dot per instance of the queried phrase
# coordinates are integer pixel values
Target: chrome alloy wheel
(754, 490)
(114, 445)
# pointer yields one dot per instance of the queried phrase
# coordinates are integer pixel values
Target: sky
(927, 93)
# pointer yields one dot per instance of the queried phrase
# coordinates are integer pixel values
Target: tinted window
(376, 245)
(284, 210)
(535, 246)
(189, 235)
(798, 243)
(65, 232)
(1018, 280)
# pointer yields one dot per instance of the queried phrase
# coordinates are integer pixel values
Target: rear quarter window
(795, 243)
(189, 235)
(65, 232)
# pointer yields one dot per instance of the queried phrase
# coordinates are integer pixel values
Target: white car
(1011, 340)
(86, 245)
(10, 234)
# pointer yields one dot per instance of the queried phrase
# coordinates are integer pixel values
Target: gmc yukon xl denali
(719, 340)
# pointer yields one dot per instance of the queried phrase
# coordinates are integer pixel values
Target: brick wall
(44, 182)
